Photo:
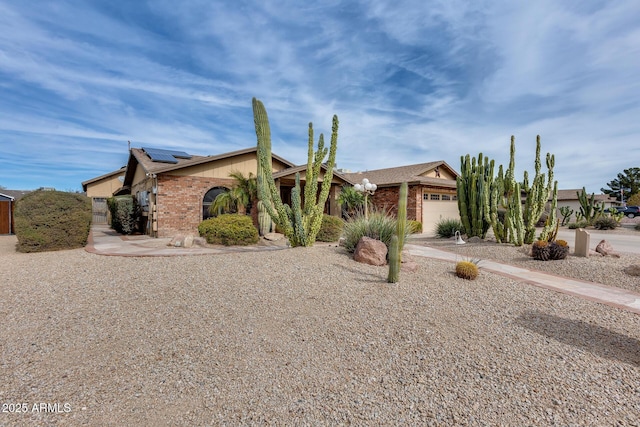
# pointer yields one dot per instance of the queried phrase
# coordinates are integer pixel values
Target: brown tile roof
(411, 173)
(301, 168)
(573, 195)
(15, 194)
(106, 175)
(152, 167)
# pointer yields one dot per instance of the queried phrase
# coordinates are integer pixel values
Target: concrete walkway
(616, 297)
(104, 241)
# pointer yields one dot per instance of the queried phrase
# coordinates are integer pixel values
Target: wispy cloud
(411, 82)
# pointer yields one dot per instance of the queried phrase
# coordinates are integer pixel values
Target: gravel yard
(307, 336)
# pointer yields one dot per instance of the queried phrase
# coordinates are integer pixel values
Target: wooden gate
(5, 218)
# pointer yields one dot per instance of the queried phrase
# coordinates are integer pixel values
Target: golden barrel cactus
(467, 270)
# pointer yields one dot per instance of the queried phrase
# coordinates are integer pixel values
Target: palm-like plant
(243, 193)
(351, 200)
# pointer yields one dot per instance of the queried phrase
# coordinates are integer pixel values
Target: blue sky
(412, 81)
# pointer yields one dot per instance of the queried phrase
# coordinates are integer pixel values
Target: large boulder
(370, 251)
(606, 249)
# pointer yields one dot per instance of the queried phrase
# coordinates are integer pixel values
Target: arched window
(209, 198)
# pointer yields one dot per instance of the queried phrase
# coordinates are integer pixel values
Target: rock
(606, 249)
(188, 241)
(273, 237)
(176, 241)
(370, 251)
(409, 266)
(474, 239)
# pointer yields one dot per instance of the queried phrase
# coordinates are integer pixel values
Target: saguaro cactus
(397, 240)
(263, 133)
(299, 223)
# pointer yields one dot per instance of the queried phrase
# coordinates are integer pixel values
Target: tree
(634, 200)
(628, 181)
(351, 200)
(243, 193)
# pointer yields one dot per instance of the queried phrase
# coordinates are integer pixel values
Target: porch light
(367, 188)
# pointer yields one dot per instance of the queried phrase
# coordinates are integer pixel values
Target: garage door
(437, 206)
(5, 217)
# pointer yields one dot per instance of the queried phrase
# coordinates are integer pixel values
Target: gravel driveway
(302, 336)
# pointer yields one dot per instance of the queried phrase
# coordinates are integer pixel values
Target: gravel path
(303, 336)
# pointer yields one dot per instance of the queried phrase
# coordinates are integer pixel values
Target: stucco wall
(105, 187)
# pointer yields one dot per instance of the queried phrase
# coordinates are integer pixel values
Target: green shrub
(52, 220)
(124, 213)
(380, 226)
(330, 229)
(229, 230)
(605, 223)
(578, 224)
(415, 227)
(446, 228)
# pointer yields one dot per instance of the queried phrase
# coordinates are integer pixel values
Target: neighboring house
(432, 191)
(175, 189)
(99, 189)
(570, 198)
(8, 200)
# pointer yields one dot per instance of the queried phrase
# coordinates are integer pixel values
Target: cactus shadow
(363, 277)
(595, 339)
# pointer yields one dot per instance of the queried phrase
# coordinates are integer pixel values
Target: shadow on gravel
(595, 339)
(362, 277)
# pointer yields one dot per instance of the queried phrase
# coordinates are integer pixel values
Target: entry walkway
(616, 297)
(104, 241)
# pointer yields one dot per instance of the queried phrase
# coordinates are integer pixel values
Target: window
(208, 200)
(435, 197)
(425, 196)
(446, 197)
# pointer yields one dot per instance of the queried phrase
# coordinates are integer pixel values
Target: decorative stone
(370, 251)
(583, 239)
(409, 266)
(188, 241)
(273, 236)
(606, 249)
(176, 241)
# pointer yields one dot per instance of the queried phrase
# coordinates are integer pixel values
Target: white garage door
(437, 206)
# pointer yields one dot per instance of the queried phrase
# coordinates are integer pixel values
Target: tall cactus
(514, 224)
(550, 229)
(300, 224)
(473, 186)
(537, 194)
(397, 240)
(589, 210)
(263, 133)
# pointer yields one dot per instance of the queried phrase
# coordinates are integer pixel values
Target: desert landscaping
(307, 336)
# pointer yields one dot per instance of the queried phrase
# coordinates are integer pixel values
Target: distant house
(570, 198)
(432, 191)
(99, 189)
(8, 200)
(175, 189)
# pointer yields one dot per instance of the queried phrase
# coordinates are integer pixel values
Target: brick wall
(387, 198)
(179, 202)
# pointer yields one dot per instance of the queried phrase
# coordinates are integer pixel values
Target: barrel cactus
(467, 269)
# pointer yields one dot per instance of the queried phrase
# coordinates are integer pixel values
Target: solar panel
(165, 156)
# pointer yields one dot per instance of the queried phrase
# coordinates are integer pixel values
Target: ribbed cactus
(550, 229)
(394, 260)
(300, 224)
(473, 186)
(589, 211)
(397, 240)
(537, 194)
(264, 220)
(263, 133)
(566, 213)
